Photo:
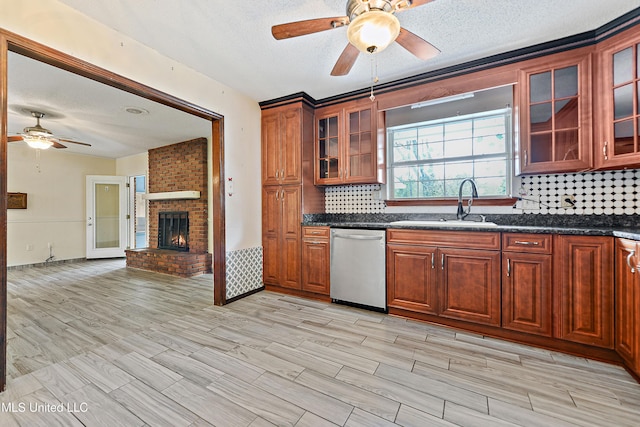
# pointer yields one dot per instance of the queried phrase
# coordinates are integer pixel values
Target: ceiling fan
(41, 138)
(372, 27)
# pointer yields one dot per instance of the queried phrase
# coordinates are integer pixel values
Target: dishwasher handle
(357, 237)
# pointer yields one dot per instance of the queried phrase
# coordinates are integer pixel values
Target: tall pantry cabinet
(287, 189)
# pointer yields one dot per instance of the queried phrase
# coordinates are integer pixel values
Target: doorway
(106, 210)
(17, 44)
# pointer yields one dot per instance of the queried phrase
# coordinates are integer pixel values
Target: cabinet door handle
(282, 195)
(442, 261)
(508, 267)
(604, 150)
(277, 175)
(282, 174)
(277, 195)
(631, 255)
(522, 242)
(526, 158)
(433, 260)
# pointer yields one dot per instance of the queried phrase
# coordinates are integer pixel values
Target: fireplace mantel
(173, 195)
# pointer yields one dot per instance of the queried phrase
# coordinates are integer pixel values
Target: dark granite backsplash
(534, 220)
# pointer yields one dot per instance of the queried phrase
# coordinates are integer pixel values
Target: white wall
(60, 27)
(55, 203)
(135, 165)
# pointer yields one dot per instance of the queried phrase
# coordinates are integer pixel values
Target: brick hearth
(177, 167)
(176, 263)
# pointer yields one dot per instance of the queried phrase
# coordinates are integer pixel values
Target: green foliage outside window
(429, 160)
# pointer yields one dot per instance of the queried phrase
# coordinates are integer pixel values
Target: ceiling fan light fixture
(37, 142)
(373, 31)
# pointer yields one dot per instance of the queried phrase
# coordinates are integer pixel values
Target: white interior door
(106, 216)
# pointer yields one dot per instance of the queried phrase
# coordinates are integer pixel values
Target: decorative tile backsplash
(594, 193)
(353, 199)
(243, 271)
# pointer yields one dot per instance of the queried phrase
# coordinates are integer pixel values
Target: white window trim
(507, 111)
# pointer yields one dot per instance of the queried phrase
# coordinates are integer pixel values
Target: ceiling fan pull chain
(374, 75)
(38, 160)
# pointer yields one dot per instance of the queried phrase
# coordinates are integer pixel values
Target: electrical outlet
(29, 247)
(567, 201)
(530, 203)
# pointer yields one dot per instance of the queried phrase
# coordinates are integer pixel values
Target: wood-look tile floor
(97, 344)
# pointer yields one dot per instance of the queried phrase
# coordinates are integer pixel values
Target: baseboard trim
(251, 292)
(45, 264)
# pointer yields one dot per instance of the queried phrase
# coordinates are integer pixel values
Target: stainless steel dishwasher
(358, 267)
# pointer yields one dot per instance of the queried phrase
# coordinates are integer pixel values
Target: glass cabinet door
(328, 149)
(626, 100)
(360, 151)
(618, 104)
(346, 150)
(555, 110)
(553, 115)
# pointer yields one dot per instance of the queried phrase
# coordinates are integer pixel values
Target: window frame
(505, 199)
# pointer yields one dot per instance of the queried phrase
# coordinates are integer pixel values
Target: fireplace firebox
(173, 231)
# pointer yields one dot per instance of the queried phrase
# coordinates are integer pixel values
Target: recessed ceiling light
(136, 110)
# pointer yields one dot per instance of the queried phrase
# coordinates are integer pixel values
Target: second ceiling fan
(372, 26)
(41, 138)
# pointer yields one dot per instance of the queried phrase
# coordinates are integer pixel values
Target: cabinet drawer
(530, 243)
(448, 239)
(315, 232)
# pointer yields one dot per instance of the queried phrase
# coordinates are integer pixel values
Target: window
(430, 159)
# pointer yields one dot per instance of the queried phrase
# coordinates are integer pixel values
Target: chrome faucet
(474, 194)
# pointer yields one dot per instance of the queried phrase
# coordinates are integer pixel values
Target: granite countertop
(624, 226)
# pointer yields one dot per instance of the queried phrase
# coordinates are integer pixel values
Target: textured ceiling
(231, 41)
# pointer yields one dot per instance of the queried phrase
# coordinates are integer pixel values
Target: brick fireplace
(177, 167)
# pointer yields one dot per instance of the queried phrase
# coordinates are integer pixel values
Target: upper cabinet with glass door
(328, 163)
(555, 114)
(618, 124)
(346, 145)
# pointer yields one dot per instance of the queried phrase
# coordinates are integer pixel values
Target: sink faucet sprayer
(474, 194)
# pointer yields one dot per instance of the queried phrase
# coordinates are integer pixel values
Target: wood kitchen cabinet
(584, 289)
(445, 273)
(347, 148)
(282, 141)
(627, 288)
(287, 191)
(617, 143)
(470, 285)
(527, 283)
(411, 278)
(281, 235)
(315, 260)
(555, 115)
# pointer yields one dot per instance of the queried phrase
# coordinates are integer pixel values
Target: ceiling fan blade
(401, 5)
(56, 144)
(14, 138)
(74, 142)
(301, 28)
(416, 45)
(346, 61)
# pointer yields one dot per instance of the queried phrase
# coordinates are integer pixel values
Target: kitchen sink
(446, 223)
